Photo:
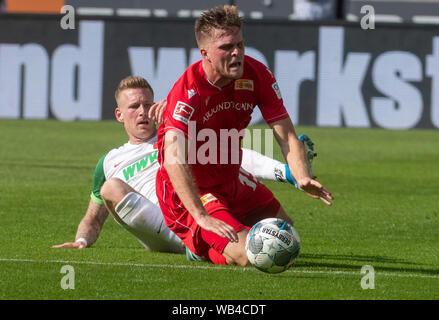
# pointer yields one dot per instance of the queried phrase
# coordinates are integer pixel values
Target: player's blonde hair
(132, 83)
(220, 17)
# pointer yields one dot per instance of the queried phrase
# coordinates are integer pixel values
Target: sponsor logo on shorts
(183, 112)
(208, 197)
(244, 84)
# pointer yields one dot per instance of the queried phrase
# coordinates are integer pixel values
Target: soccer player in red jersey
(205, 197)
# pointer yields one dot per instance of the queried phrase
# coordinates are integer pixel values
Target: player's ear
(118, 114)
(204, 54)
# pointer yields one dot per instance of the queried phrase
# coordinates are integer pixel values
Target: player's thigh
(269, 210)
(272, 210)
(254, 203)
(250, 194)
(258, 203)
(213, 240)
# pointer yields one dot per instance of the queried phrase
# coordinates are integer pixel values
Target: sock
(145, 221)
(262, 167)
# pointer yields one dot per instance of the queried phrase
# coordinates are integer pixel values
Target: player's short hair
(220, 17)
(132, 83)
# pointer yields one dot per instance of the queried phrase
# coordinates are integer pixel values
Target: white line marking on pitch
(173, 266)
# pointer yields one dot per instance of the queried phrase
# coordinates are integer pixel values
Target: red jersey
(205, 113)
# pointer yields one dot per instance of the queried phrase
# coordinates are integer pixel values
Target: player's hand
(217, 226)
(316, 190)
(75, 245)
(155, 112)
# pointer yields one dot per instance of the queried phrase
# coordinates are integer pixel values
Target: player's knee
(242, 260)
(106, 190)
(235, 252)
(238, 259)
(111, 189)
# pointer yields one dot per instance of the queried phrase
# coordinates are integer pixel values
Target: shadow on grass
(355, 262)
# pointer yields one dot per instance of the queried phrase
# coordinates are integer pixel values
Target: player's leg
(263, 167)
(220, 250)
(235, 253)
(283, 215)
(139, 216)
(112, 192)
(145, 220)
(252, 202)
(272, 210)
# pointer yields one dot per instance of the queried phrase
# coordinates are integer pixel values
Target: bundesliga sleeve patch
(276, 89)
(183, 112)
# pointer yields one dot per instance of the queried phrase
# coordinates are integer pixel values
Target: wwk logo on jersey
(244, 84)
(183, 112)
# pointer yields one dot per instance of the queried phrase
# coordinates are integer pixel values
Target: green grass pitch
(385, 215)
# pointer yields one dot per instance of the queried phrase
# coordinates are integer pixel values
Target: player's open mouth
(234, 65)
(146, 122)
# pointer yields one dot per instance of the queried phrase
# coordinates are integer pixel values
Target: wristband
(83, 241)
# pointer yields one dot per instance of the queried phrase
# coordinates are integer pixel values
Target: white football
(272, 245)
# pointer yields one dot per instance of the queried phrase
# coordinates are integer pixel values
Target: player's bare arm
(89, 228)
(180, 175)
(294, 154)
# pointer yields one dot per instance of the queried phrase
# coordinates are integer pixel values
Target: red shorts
(241, 204)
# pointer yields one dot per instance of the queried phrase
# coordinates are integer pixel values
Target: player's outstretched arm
(294, 154)
(181, 178)
(89, 228)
